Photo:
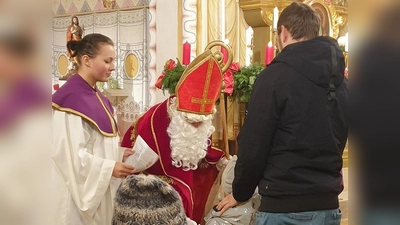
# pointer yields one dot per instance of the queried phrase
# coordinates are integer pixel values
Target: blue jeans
(324, 217)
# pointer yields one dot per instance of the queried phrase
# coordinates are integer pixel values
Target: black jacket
(295, 131)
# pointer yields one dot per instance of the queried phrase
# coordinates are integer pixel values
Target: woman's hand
(122, 170)
(127, 153)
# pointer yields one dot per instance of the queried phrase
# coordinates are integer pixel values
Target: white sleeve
(86, 174)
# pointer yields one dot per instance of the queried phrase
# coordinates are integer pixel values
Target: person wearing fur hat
(147, 200)
(179, 131)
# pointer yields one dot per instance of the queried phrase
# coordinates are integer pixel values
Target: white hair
(188, 143)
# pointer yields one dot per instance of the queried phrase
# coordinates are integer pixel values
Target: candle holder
(273, 37)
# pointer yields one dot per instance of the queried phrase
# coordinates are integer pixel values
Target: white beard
(188, 143)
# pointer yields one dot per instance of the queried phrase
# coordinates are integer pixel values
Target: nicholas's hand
(122, 170)
(226, 203)
(222, 162)
(127, 153)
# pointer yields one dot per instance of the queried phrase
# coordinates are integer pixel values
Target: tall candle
(269, 53)
(276, 16)
(186, 54)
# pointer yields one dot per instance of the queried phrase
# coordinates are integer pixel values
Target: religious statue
(108, 4)
(74, 33)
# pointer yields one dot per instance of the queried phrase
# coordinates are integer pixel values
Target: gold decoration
(269, 17)
(166, 179)
(203, 164)
(336, 20)
(62, 65)
(224, 67)
(330, 20)
(131, 65)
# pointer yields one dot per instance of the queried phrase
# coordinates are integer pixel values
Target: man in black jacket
(292, 141)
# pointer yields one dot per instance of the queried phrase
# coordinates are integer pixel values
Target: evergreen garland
(172, 77)
(244, 80)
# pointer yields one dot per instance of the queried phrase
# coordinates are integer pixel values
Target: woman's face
(103, 64)
(74, 20)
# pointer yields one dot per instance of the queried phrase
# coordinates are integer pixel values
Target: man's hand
(226, 203)
(122, 170)
(127, 153)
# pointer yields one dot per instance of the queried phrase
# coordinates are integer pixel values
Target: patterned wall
(189, 12)
(152, 62)
(61, 7)
(129, 31)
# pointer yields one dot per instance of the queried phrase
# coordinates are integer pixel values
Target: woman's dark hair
(89, 45)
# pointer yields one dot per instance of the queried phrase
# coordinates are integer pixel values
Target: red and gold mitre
(200, 85)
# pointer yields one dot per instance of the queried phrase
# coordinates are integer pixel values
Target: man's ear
(86, 61)
(284, 34)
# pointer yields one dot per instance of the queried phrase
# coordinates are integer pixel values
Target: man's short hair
(301, 20)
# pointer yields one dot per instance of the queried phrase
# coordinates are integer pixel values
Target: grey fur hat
(147, 200)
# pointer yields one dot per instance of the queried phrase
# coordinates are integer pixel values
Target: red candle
(186, 54)
(224, 54)
(269, 53)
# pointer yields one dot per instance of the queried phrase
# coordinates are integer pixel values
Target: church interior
(147, 33)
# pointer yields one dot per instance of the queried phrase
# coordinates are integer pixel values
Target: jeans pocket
(337, 215)
(300, 216)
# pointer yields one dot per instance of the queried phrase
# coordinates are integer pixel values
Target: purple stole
(76, 96)
(28, 94)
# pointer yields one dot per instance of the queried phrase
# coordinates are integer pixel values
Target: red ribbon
(228, 78)
(228, 81)
(159, 81)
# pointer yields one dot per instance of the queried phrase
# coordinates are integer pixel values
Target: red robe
(194, 185)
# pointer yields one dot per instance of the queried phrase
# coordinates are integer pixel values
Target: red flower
(234, 67)
(169, 65)
(158, 83)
